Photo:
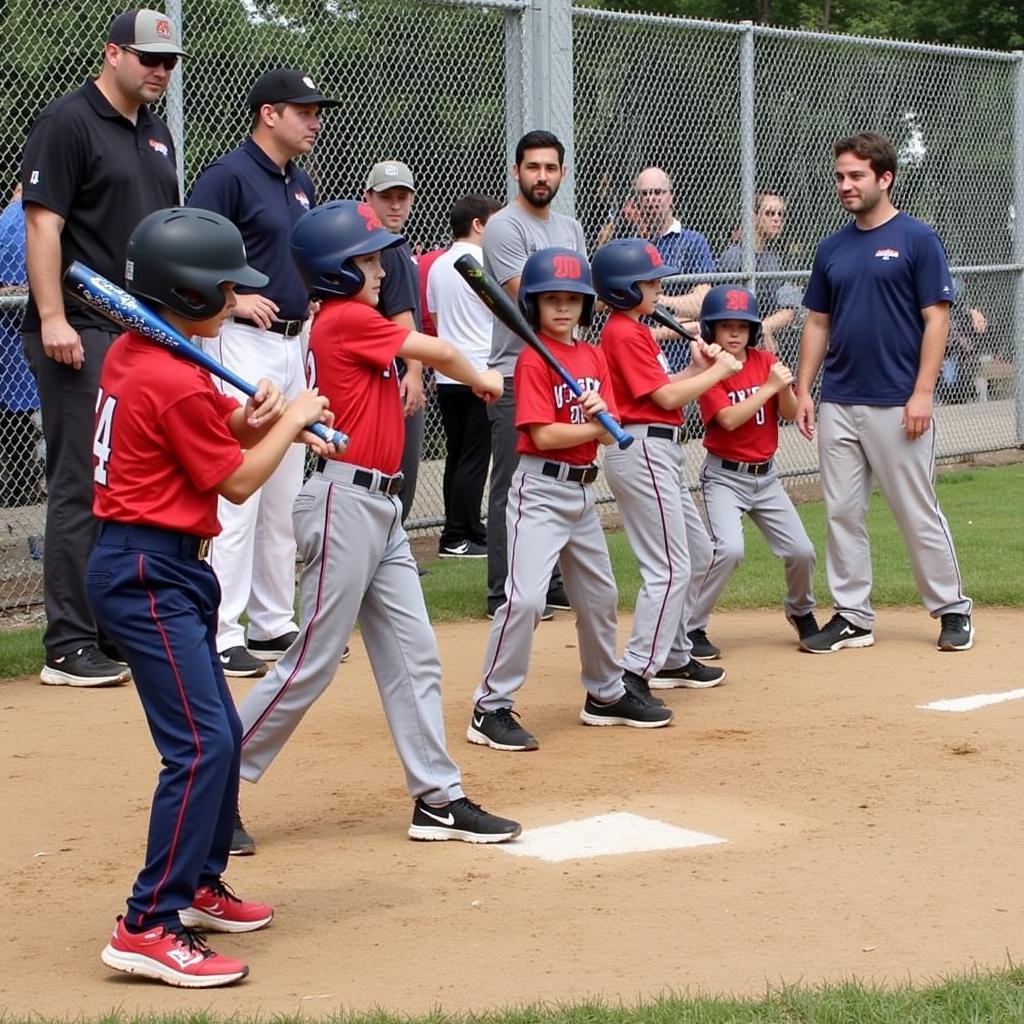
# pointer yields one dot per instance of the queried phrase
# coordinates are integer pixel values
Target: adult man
(878, 317)
(390, 192)
(96, 162)
(260, 189)
(524, 226)
(464, 320)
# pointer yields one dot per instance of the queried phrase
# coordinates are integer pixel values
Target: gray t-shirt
(512, 235)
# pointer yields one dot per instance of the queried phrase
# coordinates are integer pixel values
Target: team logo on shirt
(563, 396)
(302, 198)
(887, 254)
(159, 147)
(33, 178)
(372, 220)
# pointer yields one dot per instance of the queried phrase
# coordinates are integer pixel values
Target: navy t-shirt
(873, 284)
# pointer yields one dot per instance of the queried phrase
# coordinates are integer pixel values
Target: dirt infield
(866, 837)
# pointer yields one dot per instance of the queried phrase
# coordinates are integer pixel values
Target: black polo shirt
(400, 289)
(264, 203)
(86, 162)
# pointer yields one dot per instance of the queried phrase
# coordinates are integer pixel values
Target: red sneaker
(177, 958)
(217, 909)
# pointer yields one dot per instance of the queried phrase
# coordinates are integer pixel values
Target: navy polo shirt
(88, 163)
(264, 203)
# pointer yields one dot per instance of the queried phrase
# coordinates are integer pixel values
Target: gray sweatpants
(856, 442)
(357, 566)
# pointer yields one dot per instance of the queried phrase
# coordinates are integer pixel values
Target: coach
(96, 162)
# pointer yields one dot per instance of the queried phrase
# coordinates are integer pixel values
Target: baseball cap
(389, 174)
(145, 31)
(287, 85)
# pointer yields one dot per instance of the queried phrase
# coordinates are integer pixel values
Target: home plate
(978, 700)
(604, 835)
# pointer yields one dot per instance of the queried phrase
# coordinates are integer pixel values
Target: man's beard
(540, 201)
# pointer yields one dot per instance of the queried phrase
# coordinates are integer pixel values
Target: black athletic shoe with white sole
(639, 687)
(238, 663)
(242, 844)
(837, 633)
(627, 710)
(88, 666)
(694, 675)
(806, 626)
(499, 730)
(703, 648)
(271, 650)
(957, 633)
(462, 820)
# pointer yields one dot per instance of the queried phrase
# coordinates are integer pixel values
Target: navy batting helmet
(180, 257)
(730, 302)
(555, 270)
(327, 238)
(620, 265)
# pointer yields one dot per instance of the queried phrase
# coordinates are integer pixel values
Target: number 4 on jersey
(106, 405)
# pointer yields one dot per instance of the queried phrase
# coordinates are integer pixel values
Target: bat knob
(627, 440)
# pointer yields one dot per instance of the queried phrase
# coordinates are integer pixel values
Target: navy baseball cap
(145, 31)
(287, 85)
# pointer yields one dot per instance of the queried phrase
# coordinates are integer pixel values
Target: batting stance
(551, 516)
(357, 564)
(658, 514)
(167, 443)
(741, 416)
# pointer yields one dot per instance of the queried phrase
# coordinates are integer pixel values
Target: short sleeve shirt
(637, 367)
(758, 438)
(162, 443)
(400, 289)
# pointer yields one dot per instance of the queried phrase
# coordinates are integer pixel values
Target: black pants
(468, 435)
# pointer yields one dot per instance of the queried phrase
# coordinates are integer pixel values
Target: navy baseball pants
(154, 597)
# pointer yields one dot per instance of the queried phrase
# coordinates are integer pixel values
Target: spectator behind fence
(463, 319)
(96, 162)
(20, 471)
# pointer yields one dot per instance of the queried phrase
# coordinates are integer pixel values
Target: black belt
(677, 435)
(753, 468)
(289, 328)
(153, 538)
(377, 482)
(575, 474)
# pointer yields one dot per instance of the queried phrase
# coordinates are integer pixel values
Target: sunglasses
(653, 191)
(154, 60)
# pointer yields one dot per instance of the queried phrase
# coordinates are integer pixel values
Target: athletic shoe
(464, 549)
(271, 650)
(691, 676)
(805, 625)
(88, 666)
(837, 634)
(557, 598)
(627, 710)
(217, 909)
(702, 646)
(639, 687)
(545, 616)
(179, 958)
(461, 819)
(345, 653)
(239, 663)
(242, 844)
(957, 633)
(500, 730)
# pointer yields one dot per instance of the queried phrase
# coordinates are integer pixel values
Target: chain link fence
(729, 111)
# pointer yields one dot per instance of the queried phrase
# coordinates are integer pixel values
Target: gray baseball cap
(389, 174)
(145, 31)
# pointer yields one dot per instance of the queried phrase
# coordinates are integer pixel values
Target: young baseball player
(741, 417)
(348, 524)
(551, 515)
(658, 514)
(167, 443)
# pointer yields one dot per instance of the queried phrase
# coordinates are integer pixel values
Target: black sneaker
(271, 650)
(500, 730)
(88, 666)
(239, 663)
(957, 633)
(545, 616)
(242, 844)
(702, 647)
(461, 819)
(464, 549)
(837, 634)
(805, 625)
(627, 710)
(639, 687)
(558, 599)
(691, 676)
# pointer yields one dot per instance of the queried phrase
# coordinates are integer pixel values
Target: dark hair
(468, 209)
(539, 140)
(278, 109)
(870, 146)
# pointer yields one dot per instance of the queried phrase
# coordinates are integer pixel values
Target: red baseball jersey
(756, 440)
(162, 442)
(543, 397)
(637, 367)
(351, 359)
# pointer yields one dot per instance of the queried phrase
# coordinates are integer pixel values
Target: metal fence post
(176, 97)
(748, 157)
(1018, 241)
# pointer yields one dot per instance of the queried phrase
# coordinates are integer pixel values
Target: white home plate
(604, 835)
(978, 700)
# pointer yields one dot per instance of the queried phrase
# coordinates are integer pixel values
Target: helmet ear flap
(528, 304)
(707, 330)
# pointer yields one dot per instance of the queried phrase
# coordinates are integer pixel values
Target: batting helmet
(730, 302)
(620, 265)
(180, 257)
(555, 270)
(327, 238)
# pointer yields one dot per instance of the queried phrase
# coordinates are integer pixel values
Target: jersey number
(106, 406)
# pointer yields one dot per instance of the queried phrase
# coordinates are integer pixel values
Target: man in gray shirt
(526, 225)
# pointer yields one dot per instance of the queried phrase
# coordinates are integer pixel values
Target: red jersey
(423, 264)
(351, 359)
(638, 367)
(543, 397)
(162, 441)
(758, 439)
